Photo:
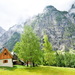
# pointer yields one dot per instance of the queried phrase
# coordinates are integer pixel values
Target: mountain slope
(10, 37)
(2, 31)
(8, 34)
(12, 41)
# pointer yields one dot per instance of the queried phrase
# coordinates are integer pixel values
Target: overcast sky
(15, 11)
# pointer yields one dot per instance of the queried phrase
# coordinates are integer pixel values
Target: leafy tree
(29, 47)
(65, 60)
(17, 48)
(47, 47)
(49, 56)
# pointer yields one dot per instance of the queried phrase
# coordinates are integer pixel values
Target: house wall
(9, 64)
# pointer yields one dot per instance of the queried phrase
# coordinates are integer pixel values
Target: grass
(42, 70)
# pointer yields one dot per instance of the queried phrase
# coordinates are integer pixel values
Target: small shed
(6, 58)
(16, 60)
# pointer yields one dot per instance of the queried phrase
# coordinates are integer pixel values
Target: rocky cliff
(2, 31)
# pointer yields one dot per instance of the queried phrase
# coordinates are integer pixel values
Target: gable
(5, 54)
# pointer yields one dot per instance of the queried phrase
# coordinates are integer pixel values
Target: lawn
(42, 70)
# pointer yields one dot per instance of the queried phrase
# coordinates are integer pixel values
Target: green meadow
(41, 70)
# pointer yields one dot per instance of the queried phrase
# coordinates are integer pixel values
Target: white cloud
(12, 11)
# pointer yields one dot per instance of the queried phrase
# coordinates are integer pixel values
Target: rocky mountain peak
(72, 10)
(73, 6)
(50, 8)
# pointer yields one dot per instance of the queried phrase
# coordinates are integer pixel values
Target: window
(5, 53)
(5, 61)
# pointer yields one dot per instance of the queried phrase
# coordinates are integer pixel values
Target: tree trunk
(27, 63)
(33, 64)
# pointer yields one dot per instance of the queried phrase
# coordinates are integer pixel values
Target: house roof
(5, 54)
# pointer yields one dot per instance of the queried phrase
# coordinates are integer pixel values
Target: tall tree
(47, 47)
(30, 46)
(49, 56)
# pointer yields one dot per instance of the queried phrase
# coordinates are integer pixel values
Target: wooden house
(6, 58)
(9, 59)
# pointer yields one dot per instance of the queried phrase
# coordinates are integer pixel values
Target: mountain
(10, 37)
(2, 31)
(58, 25)
(8, 34)
(12, 41)
(72, 10)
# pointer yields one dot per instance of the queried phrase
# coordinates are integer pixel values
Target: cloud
(12, 11)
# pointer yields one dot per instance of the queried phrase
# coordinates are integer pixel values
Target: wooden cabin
(6, 58)
(9, 59)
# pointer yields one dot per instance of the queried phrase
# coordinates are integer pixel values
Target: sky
(16, 11)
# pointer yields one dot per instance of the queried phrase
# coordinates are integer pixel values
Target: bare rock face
(72, 10)
(2, 31)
